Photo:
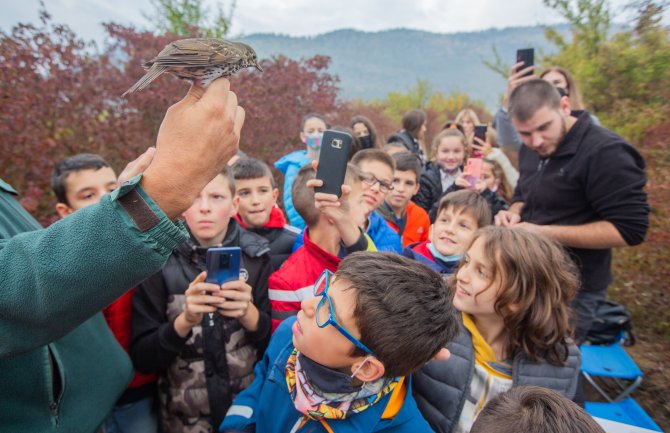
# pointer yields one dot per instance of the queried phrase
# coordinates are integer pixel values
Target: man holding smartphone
(580, 184)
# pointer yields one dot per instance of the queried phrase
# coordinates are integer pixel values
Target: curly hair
(538, 282)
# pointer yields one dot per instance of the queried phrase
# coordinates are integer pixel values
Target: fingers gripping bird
(199, 60)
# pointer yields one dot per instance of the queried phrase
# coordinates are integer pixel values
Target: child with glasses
(343, 363)
(378, 169)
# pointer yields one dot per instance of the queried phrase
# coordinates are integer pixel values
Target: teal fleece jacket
(61, 370)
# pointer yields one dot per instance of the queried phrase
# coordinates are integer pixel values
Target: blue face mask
(313, 141)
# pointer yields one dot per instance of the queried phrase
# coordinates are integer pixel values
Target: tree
(189, 18)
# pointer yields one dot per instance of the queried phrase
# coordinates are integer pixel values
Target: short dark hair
(403, 310)
(373, 155)
(227, 173)
(470, 202)
(308, 116)
(530, 96)
(408, 161)
(82, 161)
(412, 120)
(252, 168)
(533, 409)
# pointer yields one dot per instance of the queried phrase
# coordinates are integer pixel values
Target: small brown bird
(199, 60)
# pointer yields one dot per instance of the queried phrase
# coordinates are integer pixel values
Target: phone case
(335, 147)
(223, 264)
(527, 56)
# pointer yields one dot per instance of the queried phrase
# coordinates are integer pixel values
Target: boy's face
(86, 187)
(450, 153)
(255, 199)
(405, 185)
(476, 289)
(327, 345)
(453, 231)
(373, 195)
(210, 213)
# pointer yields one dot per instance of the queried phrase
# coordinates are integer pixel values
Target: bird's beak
(257, 66)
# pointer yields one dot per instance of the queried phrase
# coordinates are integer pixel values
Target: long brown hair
(573, 90)
(538, 282)
(504, 188)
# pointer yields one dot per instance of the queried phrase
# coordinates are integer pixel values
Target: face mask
(366, 141)
(313, 141)
(326, 379)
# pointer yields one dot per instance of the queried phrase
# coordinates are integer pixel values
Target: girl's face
(557, 79)
(468, 125)
(360, 130)
(489, 177)
(476, 289)
(450, 153)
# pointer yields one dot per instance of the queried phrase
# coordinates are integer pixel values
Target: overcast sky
(302, 17)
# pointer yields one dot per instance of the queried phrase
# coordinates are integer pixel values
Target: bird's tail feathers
(143, 82)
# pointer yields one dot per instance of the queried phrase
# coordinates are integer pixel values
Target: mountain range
(372, 64)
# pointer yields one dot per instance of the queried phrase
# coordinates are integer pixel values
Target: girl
(448, 154)
(513, 290)
(467, 118)
(365, 131)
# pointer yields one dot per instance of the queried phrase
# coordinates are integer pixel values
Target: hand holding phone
(480, 132)
(223, 265)
(333, 161)
(527, 56)
(473, 171)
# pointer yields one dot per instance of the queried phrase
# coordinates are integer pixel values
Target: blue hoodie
(290, 164)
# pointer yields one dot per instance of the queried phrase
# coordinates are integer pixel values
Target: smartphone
(527, 56)
(335, 147)
(223, 265)
(480, 132)
(473, 171)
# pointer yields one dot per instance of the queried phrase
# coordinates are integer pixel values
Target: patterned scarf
(316, 404)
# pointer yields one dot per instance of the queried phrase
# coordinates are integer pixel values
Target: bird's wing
(197, 52)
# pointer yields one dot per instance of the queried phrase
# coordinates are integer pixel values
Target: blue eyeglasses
(326, 316)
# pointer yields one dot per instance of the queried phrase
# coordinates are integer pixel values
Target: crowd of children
(393, 306)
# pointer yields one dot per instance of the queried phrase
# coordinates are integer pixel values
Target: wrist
(173, 198)
(182, 325)
(250, 318)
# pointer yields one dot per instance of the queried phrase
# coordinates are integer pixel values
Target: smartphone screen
(527, 56)
(333, 160)
(480, 132)
(473, 171)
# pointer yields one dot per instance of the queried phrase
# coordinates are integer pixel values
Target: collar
(329, 261)
(484, 355)
(276, 220)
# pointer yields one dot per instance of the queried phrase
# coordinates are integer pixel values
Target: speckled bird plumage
(199, 60)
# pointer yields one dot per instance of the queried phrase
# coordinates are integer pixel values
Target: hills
(370, 65)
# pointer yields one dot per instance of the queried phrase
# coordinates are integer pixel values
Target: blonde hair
(469, 113)
(447, 133)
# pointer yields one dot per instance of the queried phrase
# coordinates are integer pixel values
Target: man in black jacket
(580, 184)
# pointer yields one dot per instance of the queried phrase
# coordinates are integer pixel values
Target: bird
(199, 60)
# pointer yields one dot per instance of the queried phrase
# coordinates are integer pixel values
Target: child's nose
(308, 306)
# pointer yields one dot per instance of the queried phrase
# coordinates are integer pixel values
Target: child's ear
(416, 188)
(275, 194)
(442, 355)
(63, 210)
(236, 201)
(369, 369)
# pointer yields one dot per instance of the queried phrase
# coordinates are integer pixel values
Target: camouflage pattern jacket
(201, 374)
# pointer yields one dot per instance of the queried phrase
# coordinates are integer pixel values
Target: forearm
(507, 134)
(57, 278)
(516, 207)
(511, 173)
(595, 235)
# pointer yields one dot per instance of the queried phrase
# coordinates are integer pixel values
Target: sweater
(60, 367)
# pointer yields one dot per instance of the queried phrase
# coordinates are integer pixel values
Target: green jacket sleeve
(54, 279)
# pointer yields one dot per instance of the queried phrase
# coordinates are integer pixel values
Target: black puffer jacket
(407, 139)
(430, 187)
(201, 374)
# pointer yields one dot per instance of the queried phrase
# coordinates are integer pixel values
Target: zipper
(55, 384)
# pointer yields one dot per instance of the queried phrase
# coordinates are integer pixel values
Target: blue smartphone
(223, 265)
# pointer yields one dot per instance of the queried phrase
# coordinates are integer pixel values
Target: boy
(378, 168)
(257, 211)
(79, 181)
(410, 221)
(341, 364)
(533, 409)
(459, 215)
(328, 237)
(201, 338)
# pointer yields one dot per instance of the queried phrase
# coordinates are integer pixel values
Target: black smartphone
(335, 147)
(527, 56)
(480, 132)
